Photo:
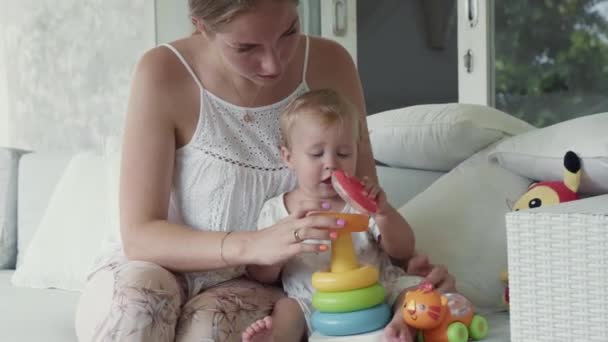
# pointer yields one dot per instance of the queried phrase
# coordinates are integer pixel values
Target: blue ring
(351, 323)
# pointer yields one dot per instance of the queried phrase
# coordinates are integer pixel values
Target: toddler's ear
(286, 156)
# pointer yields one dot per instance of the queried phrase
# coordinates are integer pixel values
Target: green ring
(347, 301)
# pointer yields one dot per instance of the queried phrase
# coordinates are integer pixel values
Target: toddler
(320, 132)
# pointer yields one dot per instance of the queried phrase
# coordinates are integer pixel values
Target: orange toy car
(442, 317)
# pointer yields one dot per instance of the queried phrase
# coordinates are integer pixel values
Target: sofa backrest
(39, 172)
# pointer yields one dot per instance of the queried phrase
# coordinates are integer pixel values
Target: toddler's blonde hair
(326, 104)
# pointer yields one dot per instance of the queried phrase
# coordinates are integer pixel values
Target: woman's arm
(332, 67)
(147, 170)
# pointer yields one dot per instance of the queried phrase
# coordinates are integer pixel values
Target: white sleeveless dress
(223, 176)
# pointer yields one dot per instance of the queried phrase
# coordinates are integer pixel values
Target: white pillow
(439, 136)
(539, 154)
(459, 221)
(70, 232)
(112, 156)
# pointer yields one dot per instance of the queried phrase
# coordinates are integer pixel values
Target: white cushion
(112, 158)
(539, 154)
(439, 136)
(70, 232)
(39, 174)
(401, 185)
(459, 221)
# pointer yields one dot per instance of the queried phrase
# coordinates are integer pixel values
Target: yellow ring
(358, 278)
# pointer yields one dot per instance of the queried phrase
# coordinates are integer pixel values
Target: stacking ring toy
(347, 301)
(351, 323)
(358, 278)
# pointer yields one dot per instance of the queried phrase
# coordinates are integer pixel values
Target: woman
(199, 159)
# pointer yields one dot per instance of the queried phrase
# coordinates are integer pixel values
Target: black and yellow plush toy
(543, 194)
(548, 193)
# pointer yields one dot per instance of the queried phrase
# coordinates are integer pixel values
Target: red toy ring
(352, 190)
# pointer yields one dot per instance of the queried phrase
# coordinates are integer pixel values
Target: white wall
(172, 20)
(69, 65)
(4, 138)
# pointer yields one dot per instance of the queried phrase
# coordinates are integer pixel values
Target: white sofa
(28, 314)
(35, 314)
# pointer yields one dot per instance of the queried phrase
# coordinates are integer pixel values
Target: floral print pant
(141, 301)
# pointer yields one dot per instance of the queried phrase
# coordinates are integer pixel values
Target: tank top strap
(305, 66)
(186, 65)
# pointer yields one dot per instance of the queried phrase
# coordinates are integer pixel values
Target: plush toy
(549, 193)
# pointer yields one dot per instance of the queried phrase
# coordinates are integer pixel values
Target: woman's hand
(280, 242)
(437, 275)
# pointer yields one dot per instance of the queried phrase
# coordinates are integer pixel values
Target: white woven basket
(558, 273)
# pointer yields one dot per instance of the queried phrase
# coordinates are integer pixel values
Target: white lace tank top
(230, 167)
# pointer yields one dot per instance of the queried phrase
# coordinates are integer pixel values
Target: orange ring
(355, 223)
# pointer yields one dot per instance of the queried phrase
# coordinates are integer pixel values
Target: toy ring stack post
(349, 299)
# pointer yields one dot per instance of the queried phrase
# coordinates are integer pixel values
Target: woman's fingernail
(325, 205)
(322, 248)
(341, 222)
(333, 235)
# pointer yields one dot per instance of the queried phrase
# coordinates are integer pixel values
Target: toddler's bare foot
(259, 331)
(397, 330)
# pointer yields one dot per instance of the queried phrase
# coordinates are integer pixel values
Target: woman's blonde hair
(326, 104)
(215, 13)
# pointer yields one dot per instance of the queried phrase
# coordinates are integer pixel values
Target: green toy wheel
(478, 328)
(457, 332)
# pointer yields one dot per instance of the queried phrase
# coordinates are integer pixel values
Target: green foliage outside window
(551, 58)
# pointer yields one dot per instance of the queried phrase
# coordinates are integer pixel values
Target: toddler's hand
(375, 192)
(437, 275)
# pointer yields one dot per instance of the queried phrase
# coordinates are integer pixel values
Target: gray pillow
(8, 207)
